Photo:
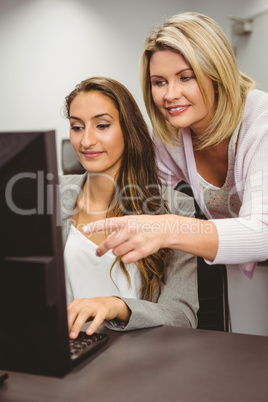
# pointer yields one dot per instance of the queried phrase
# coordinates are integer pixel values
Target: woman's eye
(103, 126)
(186, 78)
(76, 128)
(159, 83)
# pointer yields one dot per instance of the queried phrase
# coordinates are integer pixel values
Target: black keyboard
(85, 344)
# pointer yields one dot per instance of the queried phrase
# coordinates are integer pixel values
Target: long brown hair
(137, 187)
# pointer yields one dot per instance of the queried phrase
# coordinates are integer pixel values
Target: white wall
(251, 49)
(48, 46)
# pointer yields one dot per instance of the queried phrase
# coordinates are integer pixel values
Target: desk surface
(157, 364)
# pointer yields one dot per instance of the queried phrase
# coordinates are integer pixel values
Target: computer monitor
(33, 330)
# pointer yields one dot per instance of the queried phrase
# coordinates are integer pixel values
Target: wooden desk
(160, 364)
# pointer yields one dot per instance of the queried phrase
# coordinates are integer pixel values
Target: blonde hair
(203, 44)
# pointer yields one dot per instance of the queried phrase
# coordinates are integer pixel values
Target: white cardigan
(242, 240)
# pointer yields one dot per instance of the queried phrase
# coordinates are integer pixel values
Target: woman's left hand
(96, 309)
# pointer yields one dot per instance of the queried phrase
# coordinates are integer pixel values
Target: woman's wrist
(191, 235)
(171, 234)
(122, 311)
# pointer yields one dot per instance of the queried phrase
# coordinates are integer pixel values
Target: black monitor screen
(33, 331)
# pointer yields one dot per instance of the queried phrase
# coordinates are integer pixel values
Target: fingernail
(85, 229)
(72, 334)
(89, 331)
(97, 253)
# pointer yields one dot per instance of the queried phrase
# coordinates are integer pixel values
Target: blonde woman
(207, 116)
(211, 131)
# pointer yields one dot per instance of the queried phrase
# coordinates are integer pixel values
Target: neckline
(231, 160)
(207, 183)
(86, 238)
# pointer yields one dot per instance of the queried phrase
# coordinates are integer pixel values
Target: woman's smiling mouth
(174, 110)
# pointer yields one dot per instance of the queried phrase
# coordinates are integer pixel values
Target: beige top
(224, 200)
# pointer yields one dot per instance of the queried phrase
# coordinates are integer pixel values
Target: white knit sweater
(243, 240)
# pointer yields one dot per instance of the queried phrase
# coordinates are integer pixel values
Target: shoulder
(254, 123)
(256, 108)
(258, 98)
(178, 202)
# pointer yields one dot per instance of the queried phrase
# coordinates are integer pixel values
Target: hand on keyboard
(96, 310)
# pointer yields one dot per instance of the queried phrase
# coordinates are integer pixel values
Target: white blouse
(88, 276)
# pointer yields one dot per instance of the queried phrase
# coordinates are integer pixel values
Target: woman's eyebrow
(178, 73)
(101, 115)
(74, 118)
(97, 116)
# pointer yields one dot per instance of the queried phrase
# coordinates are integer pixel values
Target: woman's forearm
(136, 236)
(195, 236)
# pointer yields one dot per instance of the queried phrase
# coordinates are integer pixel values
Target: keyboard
(85, 345)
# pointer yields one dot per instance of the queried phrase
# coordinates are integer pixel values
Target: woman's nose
(173, 91)
(89, 138)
